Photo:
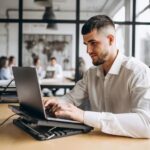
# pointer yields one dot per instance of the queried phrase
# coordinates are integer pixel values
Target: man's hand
(64, 110)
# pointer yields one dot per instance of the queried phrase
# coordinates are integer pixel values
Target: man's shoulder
(134, 65)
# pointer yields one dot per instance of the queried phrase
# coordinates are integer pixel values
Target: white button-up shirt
(120, 101)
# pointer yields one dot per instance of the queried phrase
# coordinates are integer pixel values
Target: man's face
(98, 46)
(53, 62)
(14, 61)
(38, 62)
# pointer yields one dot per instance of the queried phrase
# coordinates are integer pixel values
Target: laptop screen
(28, 89)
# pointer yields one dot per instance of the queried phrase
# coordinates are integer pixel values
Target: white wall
(13, 41)
(3, 39)
(9, 40)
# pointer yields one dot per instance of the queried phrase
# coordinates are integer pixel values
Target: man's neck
(106, 66)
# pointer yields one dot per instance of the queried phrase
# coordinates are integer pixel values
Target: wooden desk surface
(13, 138)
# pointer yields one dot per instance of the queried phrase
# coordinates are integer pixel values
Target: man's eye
(93, 43)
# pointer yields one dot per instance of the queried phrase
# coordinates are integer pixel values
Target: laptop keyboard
(48, 113)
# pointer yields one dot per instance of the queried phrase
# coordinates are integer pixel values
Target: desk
(57, 83)
(44, 83)
(13, 138)
(54, 83)
(10, 90)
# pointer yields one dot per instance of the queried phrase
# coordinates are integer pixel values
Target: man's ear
(111, 39)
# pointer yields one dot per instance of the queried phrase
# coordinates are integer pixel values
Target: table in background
(57, 84)
(13, 138)
(44, 83)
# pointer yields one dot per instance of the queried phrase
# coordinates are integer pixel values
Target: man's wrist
(92, 119)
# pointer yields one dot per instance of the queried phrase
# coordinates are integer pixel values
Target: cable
(7, 119)
(5, 88)
(4, 97)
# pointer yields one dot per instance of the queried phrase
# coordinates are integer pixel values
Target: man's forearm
(125, 124)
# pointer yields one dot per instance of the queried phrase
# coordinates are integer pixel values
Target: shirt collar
(115, 68)
(99, 71)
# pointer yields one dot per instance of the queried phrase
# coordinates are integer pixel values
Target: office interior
(47, 27)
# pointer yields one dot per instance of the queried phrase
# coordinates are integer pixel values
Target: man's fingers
(63, 114)
(55, 108)
(59, 109)
(49, 102)
(61, 106)
(70, 112)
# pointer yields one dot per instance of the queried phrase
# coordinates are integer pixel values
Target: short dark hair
(35, 60)
(97, 22)
(3, 60)
(52, 58)
(10, 59)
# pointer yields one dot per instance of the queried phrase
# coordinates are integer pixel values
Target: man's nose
(89, 49)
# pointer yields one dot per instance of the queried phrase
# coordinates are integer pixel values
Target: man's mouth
(93, 55)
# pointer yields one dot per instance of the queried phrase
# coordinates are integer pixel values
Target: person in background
(5, 73)
(37, 65)
(11, 63)
(54, 69)
(117, 87)
(82, 67)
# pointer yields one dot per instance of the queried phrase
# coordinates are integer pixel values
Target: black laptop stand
(42, 129)
(45, 132)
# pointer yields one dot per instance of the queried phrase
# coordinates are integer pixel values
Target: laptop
(50, 72)
(31, 103)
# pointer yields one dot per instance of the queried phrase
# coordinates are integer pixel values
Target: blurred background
(52, 28)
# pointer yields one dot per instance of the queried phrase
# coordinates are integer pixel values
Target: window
(142, 42)
(143, 11)
(9, 10)
(49, 9)
(60, 21)
(9, 39)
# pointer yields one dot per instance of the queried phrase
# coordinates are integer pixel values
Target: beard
(98, 62)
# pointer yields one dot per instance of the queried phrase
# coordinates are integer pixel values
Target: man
(55, 69)
(5, 73)
(39, 67)
(118, 87)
